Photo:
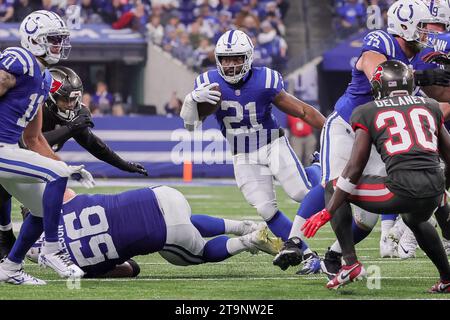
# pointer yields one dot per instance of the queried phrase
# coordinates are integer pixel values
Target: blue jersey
(20, 103)
(359, 90)
(102, 231)
(442, 42)
(245, 114)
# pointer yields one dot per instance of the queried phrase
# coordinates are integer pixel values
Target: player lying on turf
(101, 233)
(409, 134)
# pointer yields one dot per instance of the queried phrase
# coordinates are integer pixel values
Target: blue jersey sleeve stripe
(197, 82)
(20, 58)
(268, 78)
(30, 61)
(205, 76)
(387, 44)
(277, 79)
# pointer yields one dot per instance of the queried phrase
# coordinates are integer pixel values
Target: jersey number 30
(421, 130)
(94, 234)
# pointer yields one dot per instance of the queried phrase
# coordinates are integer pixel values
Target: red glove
(315, 222)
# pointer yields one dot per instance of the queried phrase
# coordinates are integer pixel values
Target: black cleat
(331, 264)
(7, 239)
(290, 254)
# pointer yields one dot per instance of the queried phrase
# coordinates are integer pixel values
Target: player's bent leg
(209, 226)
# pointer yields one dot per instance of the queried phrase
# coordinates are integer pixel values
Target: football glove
(203, 93)
(80, 122)
(315, 222)
(136, 167)
(437, 57)
(82, 176)
(433, 77)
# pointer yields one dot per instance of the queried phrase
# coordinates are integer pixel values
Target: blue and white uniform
(260, 149)
(101, 231)
(24, 173)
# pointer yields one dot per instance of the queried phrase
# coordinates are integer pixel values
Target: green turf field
(241, 277)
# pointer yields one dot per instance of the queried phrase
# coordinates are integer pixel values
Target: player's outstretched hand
(315, 222)
(438, 57)
(137, 167)
(204, 93)
(80, 122)
(82, 176)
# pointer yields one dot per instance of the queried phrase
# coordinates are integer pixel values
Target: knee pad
(364, 219)
(267, 209)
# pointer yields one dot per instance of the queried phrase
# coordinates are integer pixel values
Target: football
(205, 108)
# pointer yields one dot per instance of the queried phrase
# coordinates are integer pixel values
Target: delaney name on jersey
(401, 101)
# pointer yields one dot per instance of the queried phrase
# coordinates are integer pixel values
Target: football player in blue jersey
(35, 177)
(101, 233)
(260, 150)
(410, 29)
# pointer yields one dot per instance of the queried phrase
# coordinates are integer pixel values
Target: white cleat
(61, 263)
(407, 245)
(446, 245)
(17, 276)
(259, 240)
(388, 248)
(248, 226)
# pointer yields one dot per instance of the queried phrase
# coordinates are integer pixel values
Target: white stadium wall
(162, 76)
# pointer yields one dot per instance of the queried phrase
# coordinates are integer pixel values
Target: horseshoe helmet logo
(35, 26)
(411, 13)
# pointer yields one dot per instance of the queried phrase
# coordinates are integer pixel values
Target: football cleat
(17, 276)
(35, 250)
(315, 158)
(291, 254)
(248, 226)
(388, 247)
(440, 287)
(446, 245)
(331, 264)
(7, 239)
(347, 274)
(60, 262)
(311, 264)
(407, 245)
(259, 240)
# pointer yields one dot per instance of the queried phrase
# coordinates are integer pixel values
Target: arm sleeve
(58, 135)
(95, 146)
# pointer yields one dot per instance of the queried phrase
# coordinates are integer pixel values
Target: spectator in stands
(275, 45)
(89, 12)
(86, 99)
(6, 10)
(173, 107)
(103, 100)
(261, 57)
(183, 50)
(113, 10)
(245, 11)
(195, 34)
(302, 139)
(22, 8)
(174, 25)
(48, 5)
(231, 6)
(155, 30)
(273, 15)
(186, 11)
(118, 108)
(204, 54)
(351, 17)
(250, 24)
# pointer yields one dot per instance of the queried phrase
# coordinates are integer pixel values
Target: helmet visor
(59, 44)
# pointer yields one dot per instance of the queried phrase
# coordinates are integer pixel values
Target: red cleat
(347, 274)
(440, 287)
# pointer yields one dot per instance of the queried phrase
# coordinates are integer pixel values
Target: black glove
(136, 167)
(80, 122)
(433, 77)
(437, 57)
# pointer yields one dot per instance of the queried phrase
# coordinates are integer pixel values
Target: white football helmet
(406, 19)
(45, 35)
(440, 11)
(234, 43)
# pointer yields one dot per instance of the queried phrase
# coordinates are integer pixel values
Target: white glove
(203, 93)
(82, 176)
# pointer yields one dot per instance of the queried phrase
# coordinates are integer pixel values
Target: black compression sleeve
(57, 136)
